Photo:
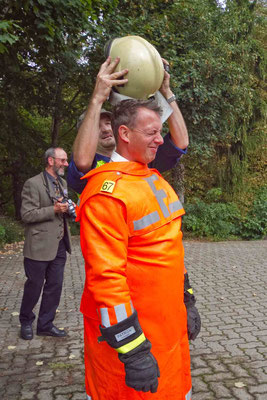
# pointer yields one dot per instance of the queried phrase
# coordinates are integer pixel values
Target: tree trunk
(178, 181)
(57, 115)
(17, 185)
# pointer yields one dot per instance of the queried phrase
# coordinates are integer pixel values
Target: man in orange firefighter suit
(136, 342)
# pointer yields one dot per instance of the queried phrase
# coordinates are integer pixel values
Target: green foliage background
(51, 51)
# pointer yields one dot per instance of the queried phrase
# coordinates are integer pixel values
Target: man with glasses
(135, 319)
(47, 238)
(95, 144)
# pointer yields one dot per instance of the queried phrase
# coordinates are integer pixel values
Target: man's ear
(50, 160)
(123, 133)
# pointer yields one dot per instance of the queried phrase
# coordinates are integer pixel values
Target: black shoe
(26, 332)
(54, 331)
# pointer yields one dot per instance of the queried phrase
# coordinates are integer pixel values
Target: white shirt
(116, 157)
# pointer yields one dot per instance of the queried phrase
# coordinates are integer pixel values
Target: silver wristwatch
(171, 99)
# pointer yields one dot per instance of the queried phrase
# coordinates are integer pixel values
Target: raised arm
(85, 144)
(177, 127)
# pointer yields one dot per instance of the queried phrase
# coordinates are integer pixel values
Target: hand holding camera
(70, 208)
(65, 205)
(60, 207)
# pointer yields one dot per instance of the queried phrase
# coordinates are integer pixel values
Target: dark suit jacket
(42, 226)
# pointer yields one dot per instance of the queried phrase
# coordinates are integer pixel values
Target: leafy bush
(2, 234)
(254, 225)
(214, 195)
(219, 220)
(215, 220)
(10, 231)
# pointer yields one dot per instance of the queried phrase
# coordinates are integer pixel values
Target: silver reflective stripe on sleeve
(120, 312)
(175, 206)
(146, 221)
(104, 317)
(188, 396)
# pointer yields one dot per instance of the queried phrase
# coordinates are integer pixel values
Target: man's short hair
(103, 112)
(125, 113)
(49, 153)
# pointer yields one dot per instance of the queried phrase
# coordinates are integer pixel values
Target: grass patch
(60, 365)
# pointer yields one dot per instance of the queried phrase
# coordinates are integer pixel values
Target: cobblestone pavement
(228, 358)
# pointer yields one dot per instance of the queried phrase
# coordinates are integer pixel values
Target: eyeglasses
(151, 133)
(63, 160)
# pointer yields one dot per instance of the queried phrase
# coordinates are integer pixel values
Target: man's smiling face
(106, 140)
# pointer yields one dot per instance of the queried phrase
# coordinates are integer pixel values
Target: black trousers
(46, 275)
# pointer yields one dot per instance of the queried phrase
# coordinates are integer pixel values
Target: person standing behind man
(47, 239)
(95, 142)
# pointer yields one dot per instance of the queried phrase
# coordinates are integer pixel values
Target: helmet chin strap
(116, 98)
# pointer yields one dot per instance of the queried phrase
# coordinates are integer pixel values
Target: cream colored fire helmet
(146, 71)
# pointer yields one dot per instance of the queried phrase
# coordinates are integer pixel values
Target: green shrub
(2, 234)
(10, 231)
(254, 225)
(215, 220)
(214, 195)
(224, 220)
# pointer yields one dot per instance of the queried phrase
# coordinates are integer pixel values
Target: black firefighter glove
(128, 339)
(193, 317)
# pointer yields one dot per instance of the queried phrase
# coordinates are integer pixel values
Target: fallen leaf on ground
(15, 313)
(11, 347)
(72, 356)
(239, 384)
(39, 363)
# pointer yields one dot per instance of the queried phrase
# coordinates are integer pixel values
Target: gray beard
(59, 172)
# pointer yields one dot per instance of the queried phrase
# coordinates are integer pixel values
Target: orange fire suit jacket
(131, 240)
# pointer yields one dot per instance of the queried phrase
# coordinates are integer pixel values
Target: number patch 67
(108, 186)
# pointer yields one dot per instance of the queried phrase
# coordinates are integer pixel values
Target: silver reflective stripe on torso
(175, 206)
(159, 194)
(154, 217)
(147, 220)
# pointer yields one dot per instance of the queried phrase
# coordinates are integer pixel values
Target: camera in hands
(71, 208)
